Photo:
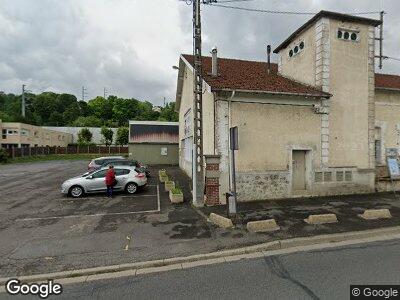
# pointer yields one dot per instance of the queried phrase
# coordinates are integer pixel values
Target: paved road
(317, 274)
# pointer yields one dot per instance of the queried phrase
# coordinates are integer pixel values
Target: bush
(84, 137)
(3, 155)
(176, 190)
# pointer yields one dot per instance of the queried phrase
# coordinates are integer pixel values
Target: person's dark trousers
(110, 189)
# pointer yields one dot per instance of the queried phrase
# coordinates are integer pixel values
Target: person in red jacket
(110, 181)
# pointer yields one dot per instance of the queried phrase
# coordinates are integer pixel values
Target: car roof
(110, 157)
(119, 167)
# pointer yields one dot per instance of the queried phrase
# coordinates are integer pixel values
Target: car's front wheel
(76, 191)
(131, 188)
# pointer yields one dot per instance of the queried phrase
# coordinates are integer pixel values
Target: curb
(201, 259)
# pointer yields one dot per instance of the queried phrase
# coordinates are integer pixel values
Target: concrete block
(262, 226)
(373, 214)
(321, 219)
(220, 221)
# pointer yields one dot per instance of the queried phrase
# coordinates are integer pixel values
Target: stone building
(315, 124)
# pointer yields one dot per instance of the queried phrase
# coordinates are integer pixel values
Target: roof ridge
(387, 74)
(235, 59)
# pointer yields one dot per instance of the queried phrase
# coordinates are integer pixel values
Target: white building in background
(96, 132)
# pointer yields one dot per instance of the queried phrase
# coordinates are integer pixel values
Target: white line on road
(93, 215)
(158, 197)
(105, 198)
(138, 196)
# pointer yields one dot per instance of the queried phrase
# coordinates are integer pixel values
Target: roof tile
(235, 74)
(386, 81)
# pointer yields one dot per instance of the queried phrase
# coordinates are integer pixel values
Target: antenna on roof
(269, 59)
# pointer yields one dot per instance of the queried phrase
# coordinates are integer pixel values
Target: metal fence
(34, 151)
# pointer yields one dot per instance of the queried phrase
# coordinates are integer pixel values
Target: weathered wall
(268, 131)
(349, 106)
(186, 105)
(208, 122)
(222, 145)
(300, 67)
(387, 115)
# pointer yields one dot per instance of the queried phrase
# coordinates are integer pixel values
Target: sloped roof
(244, 75)
(387, 81)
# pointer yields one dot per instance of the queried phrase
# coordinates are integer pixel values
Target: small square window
(318, 176)
(327, 176)
(348, 175)
(339, 175)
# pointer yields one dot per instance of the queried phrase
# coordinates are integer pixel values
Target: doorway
(299, 169)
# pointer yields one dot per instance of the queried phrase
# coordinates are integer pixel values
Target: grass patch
(27, 159)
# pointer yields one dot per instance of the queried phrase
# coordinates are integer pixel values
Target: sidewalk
(290, 214)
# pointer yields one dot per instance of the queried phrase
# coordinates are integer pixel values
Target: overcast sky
(129, 46)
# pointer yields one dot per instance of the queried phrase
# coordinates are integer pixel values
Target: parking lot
(36, 186)
(42, 230)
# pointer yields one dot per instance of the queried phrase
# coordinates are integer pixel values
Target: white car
(128, 179)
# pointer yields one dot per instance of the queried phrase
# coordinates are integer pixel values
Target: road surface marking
(93, 215)
(158, 197)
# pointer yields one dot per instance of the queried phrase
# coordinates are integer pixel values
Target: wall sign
(393, 167)
(164, 151)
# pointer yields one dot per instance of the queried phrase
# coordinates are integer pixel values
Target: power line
(392, 58)
(282, 12)
(190, 2)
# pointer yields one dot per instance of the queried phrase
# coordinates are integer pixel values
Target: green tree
(71, 113)
(107, 134)
(65, 100)
(90, 121)
(84, 109)
(122, 136)
(44, 104)
(5, 117)
(55, 119)
(102, 108)
(84, 137)
(3, 155)
(125, 110)
(168, 113)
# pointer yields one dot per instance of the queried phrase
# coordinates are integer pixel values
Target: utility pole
(197, 160)
(83, 93)
(23, 101)
(380, 39)
(164, 102)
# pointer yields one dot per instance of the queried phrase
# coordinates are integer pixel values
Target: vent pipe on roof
(269, 59)
(214, 67)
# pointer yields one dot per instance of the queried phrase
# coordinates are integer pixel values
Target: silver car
(128, 179)
(98, 162)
